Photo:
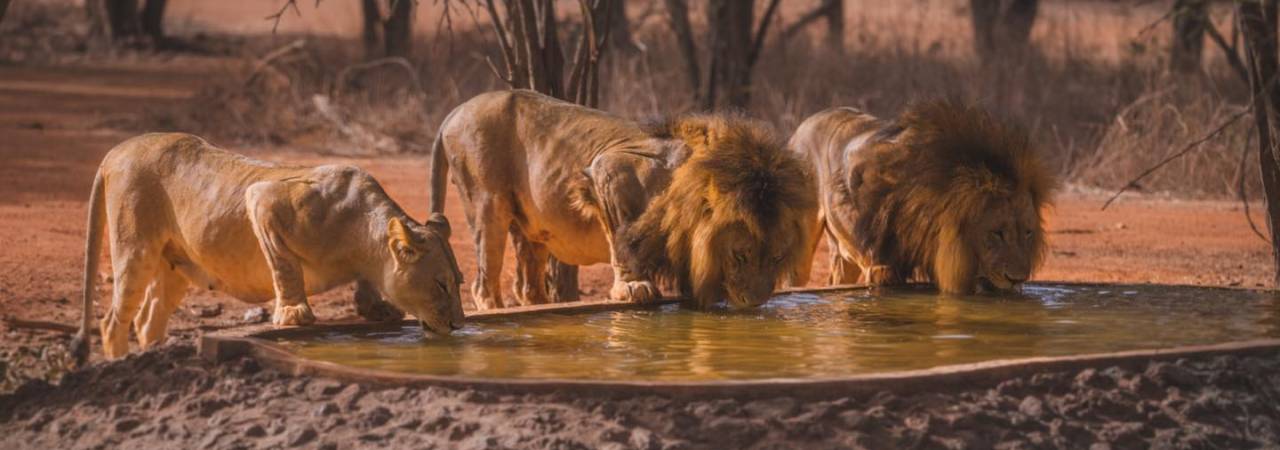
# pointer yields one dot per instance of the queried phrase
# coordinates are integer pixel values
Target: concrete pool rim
(258, 343)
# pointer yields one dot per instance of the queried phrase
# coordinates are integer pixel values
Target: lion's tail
(92, 254)
(439, 170)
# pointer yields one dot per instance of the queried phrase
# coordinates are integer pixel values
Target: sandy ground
(171, 399)
(56, 123)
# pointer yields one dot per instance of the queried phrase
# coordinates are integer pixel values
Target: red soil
(55, 127)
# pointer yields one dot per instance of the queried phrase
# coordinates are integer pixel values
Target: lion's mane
(738, 174)
(933, 171)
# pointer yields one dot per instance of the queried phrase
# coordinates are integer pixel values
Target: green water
(815, 335)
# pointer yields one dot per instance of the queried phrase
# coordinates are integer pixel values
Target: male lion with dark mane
(714, 204)
(945, 192)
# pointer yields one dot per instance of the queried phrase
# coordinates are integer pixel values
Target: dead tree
(1258, 25)
(121, 20)
(733, 48)
(387, 35)
(678, 19)
(620, 39)
(1190, 20)
(1002, 26)
(533, 58)
(830, 11)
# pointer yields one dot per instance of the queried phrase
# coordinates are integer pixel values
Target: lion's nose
(1016, 278)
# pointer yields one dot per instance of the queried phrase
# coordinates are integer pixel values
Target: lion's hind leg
(530, 287)
(162, 299)
(134, 271)
(491, 221)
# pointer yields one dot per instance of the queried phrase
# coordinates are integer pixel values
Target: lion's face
(425, 281)
(749, 268)
(1006, 242)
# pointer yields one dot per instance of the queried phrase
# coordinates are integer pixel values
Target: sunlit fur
(734, 218)
(931, 193)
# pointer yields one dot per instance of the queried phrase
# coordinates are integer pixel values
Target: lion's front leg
(632, 290)
(269, 208)
(371, 306)
(621, 186)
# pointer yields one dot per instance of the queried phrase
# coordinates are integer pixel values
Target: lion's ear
(401, 242)
(440, 225)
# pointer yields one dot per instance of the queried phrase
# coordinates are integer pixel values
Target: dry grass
(1095, 95)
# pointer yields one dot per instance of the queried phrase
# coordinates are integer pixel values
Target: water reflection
(810, 335)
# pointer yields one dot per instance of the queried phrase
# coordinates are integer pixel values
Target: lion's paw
(377, 310)
(293, 315)
(881, 276)
(634, 291)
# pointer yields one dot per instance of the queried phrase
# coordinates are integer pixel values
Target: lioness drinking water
(181, 212)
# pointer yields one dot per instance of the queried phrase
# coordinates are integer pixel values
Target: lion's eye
(742, 258)
(997, 235)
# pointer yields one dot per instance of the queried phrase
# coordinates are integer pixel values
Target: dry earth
(57, 122)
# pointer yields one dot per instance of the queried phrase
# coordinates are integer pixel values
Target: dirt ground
(171, 399)
(57, 122)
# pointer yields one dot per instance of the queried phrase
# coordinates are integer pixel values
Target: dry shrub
(1095, 96)
(318, 93)
(1170, 115)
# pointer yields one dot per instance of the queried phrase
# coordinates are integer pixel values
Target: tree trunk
(1002, 26)
(1190, 18)
(834, 13)
(728, 82)
(371, 30)
(398, 30)
(4, 6)
(153, 19)
(1258, 24)
(620, 38)
(122, 18)
(678, 18)
(831, 11)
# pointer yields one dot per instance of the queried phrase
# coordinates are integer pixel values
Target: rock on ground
(171, 398)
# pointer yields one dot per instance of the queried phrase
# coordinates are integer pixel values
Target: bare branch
(821, 10)
(496, 73)
(271, 56)
(1185, 150)
(1242, 189)
(761, 32)
(1228, 50)
(287, 4)
(14, 323)
(393, 61)
(503, 43)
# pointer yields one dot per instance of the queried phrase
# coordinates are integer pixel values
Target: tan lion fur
(571, 182)
(946, 192)
(178, 212)
(737, 175)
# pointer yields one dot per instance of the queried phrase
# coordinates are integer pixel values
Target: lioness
(714, 204)
(944, 192)
(181, 212)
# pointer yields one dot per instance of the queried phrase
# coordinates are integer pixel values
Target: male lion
(181, 212)
(713, 203)
(945, 192)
